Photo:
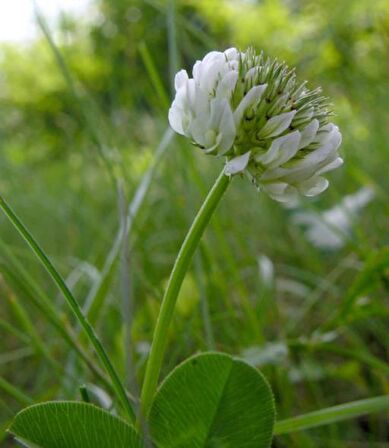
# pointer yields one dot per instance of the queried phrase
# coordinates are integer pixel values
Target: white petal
(331, 166)
(201, 106)
(232, 54)
(251, 98)
(281, 150)
(324, 151)
(211, 56)
(313, 186)
(308, 133)
(276, 125)
(326, 133)
(216, 144)
(281, 191)
(197, 70)
(211, 138)
(217, 107)
(215, 128)
(175, 119)
(198, 129)
(234, 65)
(227, 84)
(190, 93)
(227, 129)
(237, 164)
(205, 72)
(211, 71)
(180, 79)
(192, 99)
(311, 163)
(180, 99)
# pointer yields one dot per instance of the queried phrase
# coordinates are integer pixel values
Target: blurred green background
(297, 291)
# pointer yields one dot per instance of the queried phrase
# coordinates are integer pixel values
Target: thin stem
(177, 275)
(73, 304)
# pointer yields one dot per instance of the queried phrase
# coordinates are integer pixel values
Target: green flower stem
(73, 304)
(177, 275)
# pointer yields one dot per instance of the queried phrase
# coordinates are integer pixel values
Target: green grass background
(83, 112)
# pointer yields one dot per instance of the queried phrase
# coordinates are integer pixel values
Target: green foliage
(372, 273)
(210, 400)
(327, 308)
(213, 400)
(64, 424)
(73, 305)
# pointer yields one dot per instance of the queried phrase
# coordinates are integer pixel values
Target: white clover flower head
(252, 110)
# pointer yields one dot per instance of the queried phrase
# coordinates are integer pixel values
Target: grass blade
(332, 415)
(153, 75)
(26, 284)
(35, 339)
(73, 304)
(95, 300)
(15, 392)
(90, 125)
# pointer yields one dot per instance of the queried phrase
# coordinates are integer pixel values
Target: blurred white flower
(100, 395)
(272, 353)
(266, 271)
(331, 228)
(252, 110)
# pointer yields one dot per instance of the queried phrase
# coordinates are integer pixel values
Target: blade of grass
(14, 392)
(127, 302)
(332, 415)
(153, 74)
(204, 38)
(372, 273)
(35, 339)
(31, 290)
(367, 279)
(172, 41)
(28, 338)
(323, 287)
(6, 326)
(85, 115)
(4, 424)
(74, 306)
(15, 355)
(96, 297)
(363, 357)
(94, 303)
